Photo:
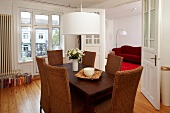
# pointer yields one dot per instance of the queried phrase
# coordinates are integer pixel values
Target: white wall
(133, 26)
(110, 42)
(5, 7)
(165, 34)
(12, 7)
(70, 42)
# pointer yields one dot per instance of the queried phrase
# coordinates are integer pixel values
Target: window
(55, 20)
(26, 42)
(39, 32)
(41, 44)
(25, 17)
(25, 36)
(41, 36)
(55, 37)
(41, 19)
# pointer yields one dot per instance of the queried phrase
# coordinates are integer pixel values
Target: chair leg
(40, 109)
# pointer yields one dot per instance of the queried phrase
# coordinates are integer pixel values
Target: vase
(75, 64)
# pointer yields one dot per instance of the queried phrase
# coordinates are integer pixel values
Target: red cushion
(129, 57)
(128, 66)
(126, 49)
(117, 50)
(131, 50)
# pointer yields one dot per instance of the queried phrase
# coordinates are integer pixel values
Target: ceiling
(131, 9)
(71, 3)
(124, 7)
(85, 3)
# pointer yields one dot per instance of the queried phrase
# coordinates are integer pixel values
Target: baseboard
(36, 77)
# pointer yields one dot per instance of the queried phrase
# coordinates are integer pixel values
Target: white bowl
(89, 71)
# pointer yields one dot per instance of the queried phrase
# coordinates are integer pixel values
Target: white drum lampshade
(79, 23)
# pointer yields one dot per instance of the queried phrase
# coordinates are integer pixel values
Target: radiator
(5, 45)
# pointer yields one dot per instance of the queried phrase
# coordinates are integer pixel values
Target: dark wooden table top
(88, 86)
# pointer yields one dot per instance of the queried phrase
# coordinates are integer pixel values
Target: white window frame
(34, 25)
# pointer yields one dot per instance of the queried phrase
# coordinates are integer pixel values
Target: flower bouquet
(75, 54)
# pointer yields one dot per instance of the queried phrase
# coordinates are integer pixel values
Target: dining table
(92, 89)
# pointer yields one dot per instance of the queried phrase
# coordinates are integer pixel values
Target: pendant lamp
(79, 23)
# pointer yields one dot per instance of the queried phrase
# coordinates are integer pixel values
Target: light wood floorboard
(26, 99)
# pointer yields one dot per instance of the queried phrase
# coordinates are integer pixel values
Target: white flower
(74, 54)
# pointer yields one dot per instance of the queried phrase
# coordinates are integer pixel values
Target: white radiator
(5, 45)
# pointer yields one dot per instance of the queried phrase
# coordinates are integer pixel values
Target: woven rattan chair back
(124, 90)
(89, 58)
(55, 57)
(113, 64)
(44, 99)
(60, 97)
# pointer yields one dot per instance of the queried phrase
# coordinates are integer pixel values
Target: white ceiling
(126, 10)
(85, 3)
(111, 13)
(71, 3)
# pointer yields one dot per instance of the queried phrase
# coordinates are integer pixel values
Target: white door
(96, 42)
(150, 82)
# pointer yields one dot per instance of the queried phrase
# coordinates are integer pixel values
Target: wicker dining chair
(61, 100)
(89, 58)
(55, 57)
(113, 64)
(44, 99)
(124, 92)
(112, 53)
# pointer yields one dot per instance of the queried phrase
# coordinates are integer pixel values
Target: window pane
(96, 39)
(88, 36)
(146, 30)
(41, 19)
(25, 17)
(152, 28)
(55, 20)
(25, 42)
(55, 37)
(41, 42)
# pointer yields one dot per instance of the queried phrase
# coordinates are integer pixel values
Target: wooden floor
(26, 99)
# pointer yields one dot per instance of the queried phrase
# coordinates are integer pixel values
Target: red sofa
(129, 53)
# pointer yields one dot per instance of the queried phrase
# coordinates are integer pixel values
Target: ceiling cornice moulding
(112, 3)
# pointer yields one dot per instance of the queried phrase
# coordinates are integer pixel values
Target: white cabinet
(92, 43)
(96, 42)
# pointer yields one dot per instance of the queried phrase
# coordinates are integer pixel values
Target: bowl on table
(89, 71)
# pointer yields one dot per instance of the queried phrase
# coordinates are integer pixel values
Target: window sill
(27, 61)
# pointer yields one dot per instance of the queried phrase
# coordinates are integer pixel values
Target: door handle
(154, 59)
